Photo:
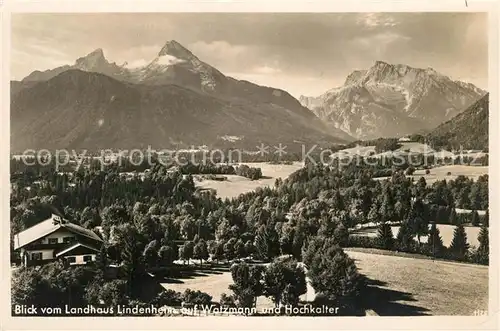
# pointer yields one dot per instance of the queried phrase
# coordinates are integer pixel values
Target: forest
(300, 226)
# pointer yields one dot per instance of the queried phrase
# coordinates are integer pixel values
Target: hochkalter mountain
(175, 101)
(392, 100)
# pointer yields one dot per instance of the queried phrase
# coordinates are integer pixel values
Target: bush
(427, 171)
(362, 241)
(410, 170)
(227, 300)
(168, 298)
(197, 297)
(332, 272)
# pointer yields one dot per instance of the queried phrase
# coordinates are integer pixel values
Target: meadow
(236, 185)
(397, 286)
(407, 286)
(440, 173)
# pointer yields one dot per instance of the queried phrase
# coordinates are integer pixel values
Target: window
(71, 259)
(87, 258)
(36, 256)
(68, 239)
(52, 240)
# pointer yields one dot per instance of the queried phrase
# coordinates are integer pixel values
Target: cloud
(266, 70)
(373, 20)
(137, 63)
(218, 50)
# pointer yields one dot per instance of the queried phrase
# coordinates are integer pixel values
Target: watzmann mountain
(392, 100)
(175, 101)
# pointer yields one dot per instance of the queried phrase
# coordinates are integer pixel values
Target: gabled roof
(76, 245)
(47, 227)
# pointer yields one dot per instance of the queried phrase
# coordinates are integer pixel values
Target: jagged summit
(380, 63)
(174, 48)
(94, 61)
(390, 100)
(173, 100)
(97, 54)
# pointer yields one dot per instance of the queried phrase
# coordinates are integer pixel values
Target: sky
(304, 54)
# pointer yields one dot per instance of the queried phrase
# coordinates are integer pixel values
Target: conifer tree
(404, 237)
(385, 237)
(483, 251)
(267, 243)
(132, 261)
(474, 218)
(486, 218)
(453, 219)
(102, 259)
(459, 246)
(435, 242)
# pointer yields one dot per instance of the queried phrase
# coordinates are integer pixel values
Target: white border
(227, 323)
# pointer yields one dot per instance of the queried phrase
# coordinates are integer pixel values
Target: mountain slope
(201, 105)
(85, 110)
(468, 130)
(175, 64)
(392, 100)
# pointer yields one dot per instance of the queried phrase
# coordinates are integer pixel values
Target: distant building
(57, 238)
(404, 139)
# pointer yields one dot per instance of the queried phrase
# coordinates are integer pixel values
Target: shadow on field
(176, 274)
(386, 302)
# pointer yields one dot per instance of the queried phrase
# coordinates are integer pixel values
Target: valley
(148, 172)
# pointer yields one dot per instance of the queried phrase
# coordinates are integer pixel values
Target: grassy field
(236, 185)
(398, 286)
(445, 230)
(405, 286)
(215, 282)
(440, 173)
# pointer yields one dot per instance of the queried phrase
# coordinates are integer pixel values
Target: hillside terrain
(468, 130)
(176, 101)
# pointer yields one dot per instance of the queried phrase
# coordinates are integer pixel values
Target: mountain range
(392, 100)
(179, 101)
(175, 101)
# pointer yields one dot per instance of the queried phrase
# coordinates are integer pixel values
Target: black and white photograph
(238, 164)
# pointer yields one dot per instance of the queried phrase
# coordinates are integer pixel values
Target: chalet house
(404, 139)
(57, 238)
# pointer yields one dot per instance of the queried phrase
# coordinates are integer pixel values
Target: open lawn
(236, 185)
(405, 286)
(445, 230)
(397, 286)
(440, 173)
(216, 281)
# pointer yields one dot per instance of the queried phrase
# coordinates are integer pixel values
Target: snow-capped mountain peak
(175, 49)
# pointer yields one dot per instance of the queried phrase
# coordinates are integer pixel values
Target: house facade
(57, 238)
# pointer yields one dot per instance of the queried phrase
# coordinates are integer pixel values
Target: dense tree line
(149, 222)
